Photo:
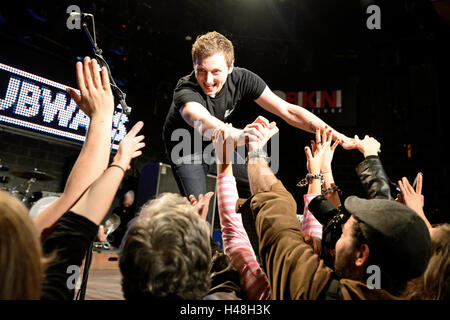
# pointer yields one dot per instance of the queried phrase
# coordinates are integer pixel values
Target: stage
(104, 277)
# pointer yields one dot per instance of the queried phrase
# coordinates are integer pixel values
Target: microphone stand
(120, 95)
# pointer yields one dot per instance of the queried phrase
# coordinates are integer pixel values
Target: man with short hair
(206, 98)
(383, 243)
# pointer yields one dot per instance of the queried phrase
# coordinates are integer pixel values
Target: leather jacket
(374, 179)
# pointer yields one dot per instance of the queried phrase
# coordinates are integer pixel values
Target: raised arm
(323, 152)
(370, 171)
(97, 102)
(297, 116)
(235, 239)
(330, 190)
(289, 262)
(76, 230)
(96, 201)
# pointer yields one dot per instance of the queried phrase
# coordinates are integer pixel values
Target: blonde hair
(434, 284)
(211, 43)
(21, 257)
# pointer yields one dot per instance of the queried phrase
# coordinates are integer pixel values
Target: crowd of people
(379, 247)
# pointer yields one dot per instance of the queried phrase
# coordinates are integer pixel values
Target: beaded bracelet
(333, 188)
(305, 181)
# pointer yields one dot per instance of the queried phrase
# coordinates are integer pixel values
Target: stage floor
(104, 277)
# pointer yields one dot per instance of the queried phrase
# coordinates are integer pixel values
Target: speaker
(157, 178)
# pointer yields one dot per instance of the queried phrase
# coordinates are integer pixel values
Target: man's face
(211, 73)
(344, 263)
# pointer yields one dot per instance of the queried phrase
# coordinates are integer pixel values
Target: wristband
(116, 165)
(257, 153)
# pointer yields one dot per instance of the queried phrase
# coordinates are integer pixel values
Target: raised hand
(320, 149)
(324, 141)
(235, 134)
(224, 144)
(368, 146)
(129, 147)
(96, 95)
(97, 102)
(202, 204)
(259, 132)
(412, 198)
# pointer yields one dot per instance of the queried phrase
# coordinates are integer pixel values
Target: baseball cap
(397, 237)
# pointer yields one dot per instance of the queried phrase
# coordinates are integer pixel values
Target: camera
(331, 219)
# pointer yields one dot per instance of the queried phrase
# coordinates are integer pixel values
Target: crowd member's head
(386, 234)
(21, 258)
(213, 58)
(166, 252)
(435, 282)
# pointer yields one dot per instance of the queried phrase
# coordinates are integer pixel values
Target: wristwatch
(257, 153)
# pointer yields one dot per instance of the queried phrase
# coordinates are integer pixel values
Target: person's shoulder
(243, 74)
(239, 72)
(187, 90)
(357, 290)
(187, 82)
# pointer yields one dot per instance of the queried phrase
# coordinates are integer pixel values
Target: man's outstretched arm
(195, 114)
(297, 116)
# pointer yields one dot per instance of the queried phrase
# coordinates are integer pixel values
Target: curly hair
(166, 252)
(211, 43)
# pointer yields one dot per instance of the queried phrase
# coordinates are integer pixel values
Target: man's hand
(96, 95)
(347, 143)
(368, 146)
(259, 132)
(235, 134)
(129, 147)
(202, 205)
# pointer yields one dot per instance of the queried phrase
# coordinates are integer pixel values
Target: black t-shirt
(241, 85)
(70, 240)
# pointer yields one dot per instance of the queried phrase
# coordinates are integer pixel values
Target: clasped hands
(255, 135)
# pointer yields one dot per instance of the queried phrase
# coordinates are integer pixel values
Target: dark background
(399, 74)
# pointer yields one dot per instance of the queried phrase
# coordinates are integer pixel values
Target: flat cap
(396, 235)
